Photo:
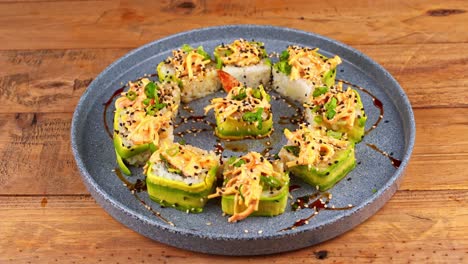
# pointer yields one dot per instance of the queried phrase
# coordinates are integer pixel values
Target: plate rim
(387, 190)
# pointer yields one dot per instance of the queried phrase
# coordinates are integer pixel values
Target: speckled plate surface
(368, 187)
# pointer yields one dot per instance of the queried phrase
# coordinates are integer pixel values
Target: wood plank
(439, 160)
(415, 226)
(105, 23)
(37, 81)
(49, 80)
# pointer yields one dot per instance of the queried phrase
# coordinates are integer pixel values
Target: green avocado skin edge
(179, 195)
(268, 206)
(238, 129)
(336, 172)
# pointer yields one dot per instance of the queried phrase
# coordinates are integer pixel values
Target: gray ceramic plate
(368, 187)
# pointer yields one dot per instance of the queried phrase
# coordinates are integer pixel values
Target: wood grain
(43, 139)
(38, 81)
(50, 50)
(106, 23)
(76, 229)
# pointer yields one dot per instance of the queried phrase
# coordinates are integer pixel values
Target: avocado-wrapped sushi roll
(340, 112)
(247, 61)
(193, 69)
(253, 186)
(245, 112)
(143, 118)
(319, 160)
(301, 70)
(181, 176)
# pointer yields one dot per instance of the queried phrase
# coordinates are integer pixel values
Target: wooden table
(51, 50)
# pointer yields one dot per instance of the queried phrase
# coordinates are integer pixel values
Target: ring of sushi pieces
(320, 152)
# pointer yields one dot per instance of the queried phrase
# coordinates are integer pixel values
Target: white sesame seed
(246, 231)
(260, 231)
(208, 223)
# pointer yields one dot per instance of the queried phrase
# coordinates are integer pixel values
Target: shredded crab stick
(307, 63)
(338, 110)
(241, 53)
(189, 64)
(314, 148)
(240, 99)
(243, 180)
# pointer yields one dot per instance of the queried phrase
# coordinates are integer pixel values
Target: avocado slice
(326, 176)
(268, 206)
(240, 129)
(123, 167)
(180, 195)
(355, 134)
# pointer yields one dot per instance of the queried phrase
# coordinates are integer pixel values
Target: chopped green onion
(293, 150)
(330, 107)
(131, 95)
(154, 108)
(231, 160)
(172, 151)
(270, 181)
(152, 147)
(202, 52)
(183, 142)
(329, 78)
(254, 117)
(146, 101)
(240, 192)
(334, 134)
(256, 93)
(150, 90)
(318, 119)
(186, 48)
(242, 95)
(239, 163)
(319, 91)
(219, 63)
(284, 55)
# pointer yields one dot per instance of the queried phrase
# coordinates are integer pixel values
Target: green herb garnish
(319, 91)
(241, 95)
(334, 134)
(270, 181)
(254, 117)
(202, 52)
(131, 95)
(239, 163)
(330, 108)
(186, 48)
(293, 150)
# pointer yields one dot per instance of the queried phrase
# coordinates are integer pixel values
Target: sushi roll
(253, 186)
(244, 113)
(339, 112)
(319, 160)
(247, 61)
(300, 70)
(143, 118)
(193, 69)
(181, 176)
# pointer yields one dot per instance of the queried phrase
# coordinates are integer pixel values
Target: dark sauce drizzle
(294, 187)
(106, 105)
(395, 162)
(317, 202)
(137, 187)
(375, 100)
